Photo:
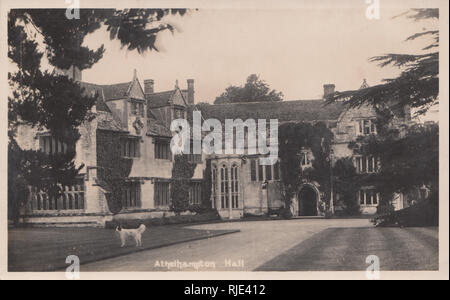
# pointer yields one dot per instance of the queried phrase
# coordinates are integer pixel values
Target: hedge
(180, 219)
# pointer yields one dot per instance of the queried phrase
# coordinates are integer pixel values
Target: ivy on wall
(292, 138)
(113, 168)
(346, 184)
(206, 187)
(182, 173)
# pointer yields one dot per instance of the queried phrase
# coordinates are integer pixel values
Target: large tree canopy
(54, 102)
(408, 160)
(409, 156)
(417, 86)
(254, 90)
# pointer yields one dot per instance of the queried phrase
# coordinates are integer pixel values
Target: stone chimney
(328, 89)
(149, 86)
(190, 91)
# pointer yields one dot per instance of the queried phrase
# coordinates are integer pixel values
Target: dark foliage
(55, 103)
(182, 173)
(180, 219)
(418, 84)
(425, 213)
(113, 168)
(408, 160)
(292, 138)
(254, 90)
(346, 183)
(206, 187)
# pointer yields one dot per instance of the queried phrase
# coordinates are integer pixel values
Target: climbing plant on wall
(346, 184)
(182, 173)
(206, 186)
(113, 168)
(292, 138)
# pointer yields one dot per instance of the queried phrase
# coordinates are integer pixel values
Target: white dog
(135, 233)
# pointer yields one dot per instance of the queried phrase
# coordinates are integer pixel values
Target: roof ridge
(125, 82)
(168, 91)
(265, 102)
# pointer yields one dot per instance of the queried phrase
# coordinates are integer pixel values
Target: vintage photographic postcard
(224, 140)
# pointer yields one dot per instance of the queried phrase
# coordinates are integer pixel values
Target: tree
(408, 160)
(418, 84)
(182, 173)
(254, 90)
(45, 100)
(346, 184)
(409, 155)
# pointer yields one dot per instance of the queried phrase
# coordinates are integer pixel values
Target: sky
(294, 51)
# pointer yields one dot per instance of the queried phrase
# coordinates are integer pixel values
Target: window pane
(366, 127)
(370, 166)
(276, 171)
(260, 172)
(268, 172)
(253, 170)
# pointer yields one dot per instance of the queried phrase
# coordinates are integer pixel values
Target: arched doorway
(307, 201)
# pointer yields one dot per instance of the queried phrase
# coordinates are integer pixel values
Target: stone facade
(121, 113)
(133, 124)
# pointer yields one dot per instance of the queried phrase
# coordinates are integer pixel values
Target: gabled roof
(116, 91)
(284, 111)
(156, 127)
(106, 119)
(165, 98)
(159, 99)
(109, 91)
(90, 89)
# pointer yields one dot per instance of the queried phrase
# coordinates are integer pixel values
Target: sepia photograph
(240, 139)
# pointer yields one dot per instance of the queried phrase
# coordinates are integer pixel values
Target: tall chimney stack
(190, 94)
(328, 89)
(149, 86)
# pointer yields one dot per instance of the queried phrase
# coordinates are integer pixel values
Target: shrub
(286, 213)
(199, 209)
(178, 219)
(385, 209)
(424, 213)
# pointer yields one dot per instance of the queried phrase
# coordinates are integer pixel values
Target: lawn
(346, 249)
(46, 249)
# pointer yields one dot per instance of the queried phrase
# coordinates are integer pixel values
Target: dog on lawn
(136, 234)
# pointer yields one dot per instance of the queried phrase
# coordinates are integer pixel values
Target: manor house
(130, 136)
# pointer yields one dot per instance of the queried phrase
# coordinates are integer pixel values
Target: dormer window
(366, 127)
(137, 108)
